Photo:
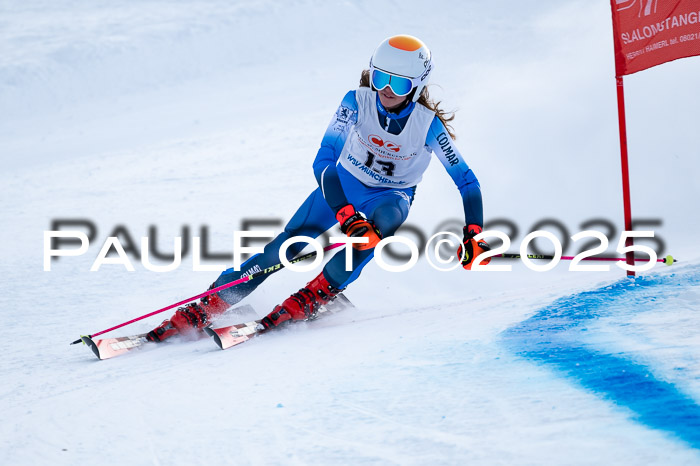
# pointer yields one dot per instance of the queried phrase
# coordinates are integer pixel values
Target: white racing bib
(381, 159)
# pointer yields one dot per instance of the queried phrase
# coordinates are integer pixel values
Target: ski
(107, 348)
(227, 337)
(224, 337)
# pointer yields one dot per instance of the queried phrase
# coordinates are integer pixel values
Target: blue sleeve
(332, 144)
(440, 141)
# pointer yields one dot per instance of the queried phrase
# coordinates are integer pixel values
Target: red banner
(651, 32)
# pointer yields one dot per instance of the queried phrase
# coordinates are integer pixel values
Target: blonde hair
(426, 101)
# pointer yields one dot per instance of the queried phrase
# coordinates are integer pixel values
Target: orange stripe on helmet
(407, 43)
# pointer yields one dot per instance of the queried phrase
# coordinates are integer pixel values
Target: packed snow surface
(192, 119)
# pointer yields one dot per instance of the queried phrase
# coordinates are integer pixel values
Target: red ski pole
(668, 260)
(268, 270)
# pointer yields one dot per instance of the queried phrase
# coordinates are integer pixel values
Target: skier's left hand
(356, 225)
(472, 248)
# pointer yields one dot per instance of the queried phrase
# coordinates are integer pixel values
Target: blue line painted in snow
(557, 334)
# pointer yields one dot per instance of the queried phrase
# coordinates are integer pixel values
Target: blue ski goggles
(399, 85)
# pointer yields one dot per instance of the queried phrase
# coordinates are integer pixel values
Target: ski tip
(88, 341)
(209, 331)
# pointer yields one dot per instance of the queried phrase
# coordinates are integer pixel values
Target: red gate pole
(625, 168)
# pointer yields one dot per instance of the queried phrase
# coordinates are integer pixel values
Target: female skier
(372, 156)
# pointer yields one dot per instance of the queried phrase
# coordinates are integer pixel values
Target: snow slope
(205, 114)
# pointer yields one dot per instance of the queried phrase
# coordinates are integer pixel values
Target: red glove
(472, 248)
(356, 225)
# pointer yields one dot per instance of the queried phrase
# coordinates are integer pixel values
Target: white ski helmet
(406, 59)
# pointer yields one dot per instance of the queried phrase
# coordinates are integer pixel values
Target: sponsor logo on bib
(379, 142)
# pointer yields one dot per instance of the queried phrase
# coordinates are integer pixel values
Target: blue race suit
(387, 207)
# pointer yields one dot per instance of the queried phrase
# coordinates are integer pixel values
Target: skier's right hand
(470, 248)
(356, 225)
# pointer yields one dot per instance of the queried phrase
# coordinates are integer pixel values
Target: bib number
(386, 167)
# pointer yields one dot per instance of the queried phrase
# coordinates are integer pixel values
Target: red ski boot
(190, 317)
(303, 304)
